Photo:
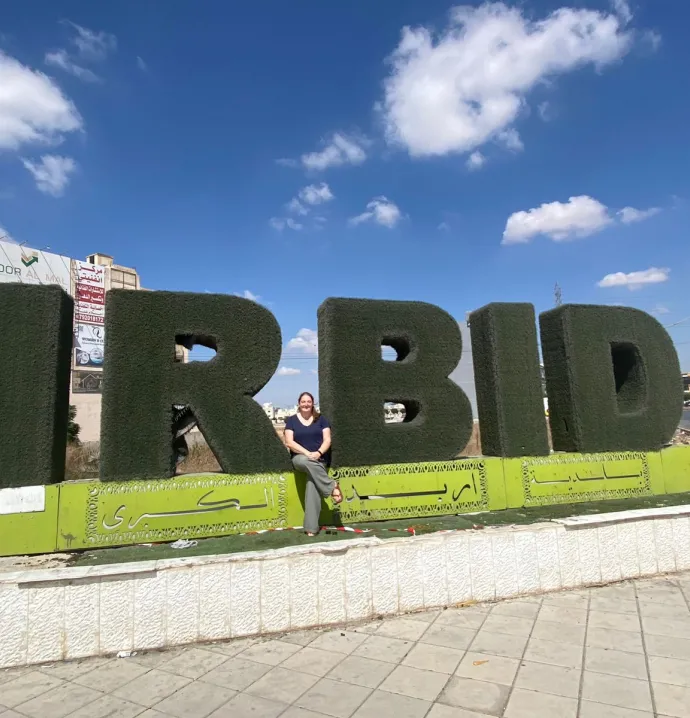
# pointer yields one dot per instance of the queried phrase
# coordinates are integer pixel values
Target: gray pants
(318, 484)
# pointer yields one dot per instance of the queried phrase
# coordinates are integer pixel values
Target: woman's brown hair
(315, 414)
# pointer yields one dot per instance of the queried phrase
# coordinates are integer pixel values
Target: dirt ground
(82, 461)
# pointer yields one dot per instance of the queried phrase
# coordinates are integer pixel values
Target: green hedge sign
(612, 377)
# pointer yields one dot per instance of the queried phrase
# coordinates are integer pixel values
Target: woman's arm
(326, 443)
(292, 444)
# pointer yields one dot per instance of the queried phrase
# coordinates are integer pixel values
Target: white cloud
(622, 9)
(287, 371)
(475, 160)
(339, 150)
(316, 194)
(629, 215)
(280, 223)
(92, 45)
(660, 309)
(652, 39)
(141, 64)
(578, 217)
(296, 207)
(287, 162)
(454, 91)
(61, 59)
(306, 342)
(380, 210)
(246, 294)
(310, 195)
(5, 236)
(443, 227)
(511, 139)
(545, 112)
(32, 107)
(52, 173)
(635, 280)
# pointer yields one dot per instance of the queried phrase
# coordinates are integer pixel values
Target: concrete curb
(66, 613)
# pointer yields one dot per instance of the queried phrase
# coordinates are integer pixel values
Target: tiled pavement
(622, 651)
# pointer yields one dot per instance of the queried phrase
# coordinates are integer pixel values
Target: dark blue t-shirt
(310, 437)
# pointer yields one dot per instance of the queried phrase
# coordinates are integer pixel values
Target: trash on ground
(183, 543)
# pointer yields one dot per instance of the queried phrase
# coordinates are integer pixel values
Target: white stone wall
(64, 613)
(88, 415)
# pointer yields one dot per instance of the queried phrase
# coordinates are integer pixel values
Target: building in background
(269, 410)
(91, 280)
(87, 282)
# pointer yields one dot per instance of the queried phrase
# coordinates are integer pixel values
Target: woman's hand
(314, 456)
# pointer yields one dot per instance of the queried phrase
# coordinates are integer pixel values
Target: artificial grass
(142, 382)
(508, 381)
(612, 377)
(380, 529)
(35, 359)
(355, 382)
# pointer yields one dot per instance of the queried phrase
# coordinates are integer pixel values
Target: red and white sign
(92, 275)
(89, 294)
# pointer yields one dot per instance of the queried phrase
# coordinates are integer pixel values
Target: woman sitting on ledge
(308, 437)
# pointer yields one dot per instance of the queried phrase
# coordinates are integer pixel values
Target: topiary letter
(508, 381)
(612, 377)
(355, 381)
(142, 382)
(35, 356)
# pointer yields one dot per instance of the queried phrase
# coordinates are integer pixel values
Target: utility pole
(557, 295)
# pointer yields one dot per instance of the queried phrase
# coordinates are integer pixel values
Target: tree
(73, 428)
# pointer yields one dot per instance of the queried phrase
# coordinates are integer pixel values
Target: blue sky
(296, 151)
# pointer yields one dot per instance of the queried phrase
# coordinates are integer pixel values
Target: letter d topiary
(612, 377)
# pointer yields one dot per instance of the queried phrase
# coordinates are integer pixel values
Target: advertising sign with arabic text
(89, 293)
(115, 513)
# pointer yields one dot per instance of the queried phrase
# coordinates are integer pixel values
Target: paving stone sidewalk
(621, 651)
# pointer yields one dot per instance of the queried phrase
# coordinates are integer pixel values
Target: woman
(308, 436)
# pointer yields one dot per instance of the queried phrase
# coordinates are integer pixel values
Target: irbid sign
(612, 379)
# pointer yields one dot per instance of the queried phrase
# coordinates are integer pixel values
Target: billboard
(89, 340)
(89, 293)
(21, 265)
(87, 382)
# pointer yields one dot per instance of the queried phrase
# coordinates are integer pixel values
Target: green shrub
(355, 382)
(35, 356)
(613, 379)
(142, 382)
(508, 382)
(73, 428)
